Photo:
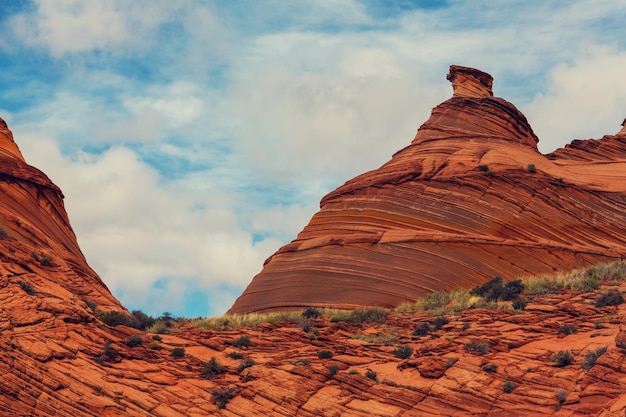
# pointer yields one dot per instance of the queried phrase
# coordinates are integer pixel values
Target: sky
(193, 138)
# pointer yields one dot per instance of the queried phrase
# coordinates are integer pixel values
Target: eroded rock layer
(469, 199)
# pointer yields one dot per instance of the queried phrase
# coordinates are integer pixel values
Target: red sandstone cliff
(469, 199)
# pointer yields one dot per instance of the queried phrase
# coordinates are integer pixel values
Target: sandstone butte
(59, 359)
(471, 198)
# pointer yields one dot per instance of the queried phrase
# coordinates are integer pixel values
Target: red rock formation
(469, 199)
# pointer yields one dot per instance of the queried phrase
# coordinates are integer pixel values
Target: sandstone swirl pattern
(469, 199)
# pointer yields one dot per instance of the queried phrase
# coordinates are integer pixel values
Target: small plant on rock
(212, 368)
(246, 364)
(155, 345)
(567, 329)
(235, 355)
(591, 357)
(221, 396)
(421, 330)
(178, 352)
(403, 352)
(311, 313)
(609, 298)
(561, 395)
(243, 341)
(27, 287)
(508, 387)
(324, 354)
(134, 341)
(531, 168)
(332, 369)
(490, 367)
(562, 358)
(440, 321)
(477, 347)
(371, 375)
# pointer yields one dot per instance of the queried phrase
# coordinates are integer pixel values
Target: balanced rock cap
(470, 82)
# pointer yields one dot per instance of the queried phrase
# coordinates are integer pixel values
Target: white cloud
(585, 99)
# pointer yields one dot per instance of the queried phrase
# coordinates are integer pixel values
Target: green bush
(134, 341)
(567, 329)
(324, 354)
(157, 338)
(519, 303)
(235, 355)
(591, 357)
(311, 313)
(178, 352)
(421, 330)
(242, 341)
(609, 298)
(497, 290)
(332, 369)
(114, 318)
(477, 347)
(212, 368)
(246, 364)
(403, 352)
(368, 315)
(221, 396)
(440, 321)
(27, 287)
(109, 354)
(509, 387)
(490, 367)
(155, 346)
(142, 320)
(562, 358)
(371, 375)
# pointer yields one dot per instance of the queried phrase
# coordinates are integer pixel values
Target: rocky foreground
(470, 198)
(478, 361)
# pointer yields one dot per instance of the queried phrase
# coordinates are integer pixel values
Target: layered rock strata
(469, 199)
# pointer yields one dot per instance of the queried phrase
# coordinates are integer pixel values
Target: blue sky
(193, 138)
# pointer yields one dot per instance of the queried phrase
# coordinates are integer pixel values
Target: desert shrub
(42, 259)
(490, 367)
(498, 290)
(609, 298)
(311, 313)
(305, 324)
(403, 352)
(440, 321)
(134, 340)
(435, 300)
(3, 232)
(159, 327)
(178, 352)
(531, 168)
(242, 341)
(477, 347)
(561, 395)
(212, 368)
(114, 318)
(332, 369)
(567, 329)
(368, 315)
(235, 355)
(519, 303)
(509, 387)
(562, 358)
(109, 354)
(324, 354)
(155, 345)
(27, 287)
(483, 168)
(247, 363)
(591, 357)
(157, 338)
(421, 330)
(353, 371)
(371, 375)
(221, 396)
(142, 320)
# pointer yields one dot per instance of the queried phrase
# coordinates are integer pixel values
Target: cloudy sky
(193, 138)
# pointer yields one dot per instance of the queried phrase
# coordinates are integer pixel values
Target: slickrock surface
(469, 199)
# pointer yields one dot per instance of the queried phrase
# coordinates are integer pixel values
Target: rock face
(469, 199)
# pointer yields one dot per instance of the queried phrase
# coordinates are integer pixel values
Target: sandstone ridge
(469, 199)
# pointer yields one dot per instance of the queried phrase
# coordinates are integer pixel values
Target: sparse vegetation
(509, 386)
(178, 352)
(324, 354)
(421, 330)
(247, 363)
(221, 396)
(134, 341)
(114, 318)
(563, 358)
(490, 367)
(142, 320)
(386, 339)
(235, 355)
(353, 371)
(561, 395)
(311, 313)
(155, 345)
(567, 329)
(498, 290)
(157, 338)
(305, 324)
(440, 321)
(212, 368)
(242, 341)
(476, 347)
(483, 168)
(403, 352)
(332, 370)
(109, 354)
(364, 315)
(371, 375)
(3, 233)
(519, 303)
(42, 259)
(531, 168)
(609, 298)
(591, 357)
(27, 287)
